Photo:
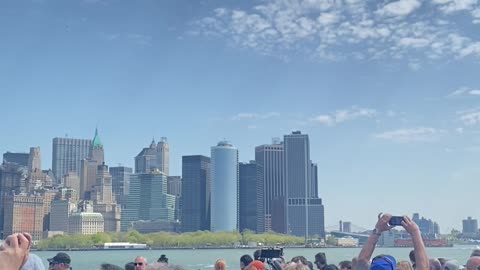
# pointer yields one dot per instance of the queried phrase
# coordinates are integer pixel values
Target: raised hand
(382, 223)
(14, 252)
(410, 226)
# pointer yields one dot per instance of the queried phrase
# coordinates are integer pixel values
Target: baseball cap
(60, 258)
(383, 262)
(452, 265)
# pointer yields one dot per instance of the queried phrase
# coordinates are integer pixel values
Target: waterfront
(204, 259)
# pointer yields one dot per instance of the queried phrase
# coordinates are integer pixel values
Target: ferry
(127, 246)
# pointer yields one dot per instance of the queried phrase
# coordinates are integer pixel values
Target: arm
(421, 258)
(367, 250)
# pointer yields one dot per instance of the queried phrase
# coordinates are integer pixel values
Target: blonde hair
(404, 265)
(220, 264)
(296, 266)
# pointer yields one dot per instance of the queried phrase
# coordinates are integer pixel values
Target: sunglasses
(137, 264)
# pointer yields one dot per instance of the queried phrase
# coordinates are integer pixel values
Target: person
(310, 265)
(434, 264)
(220, 265)
(33, 263)
(61, 261)
(256, 265)
(140, 263)
(442, 261)
(345, 265)
(330, 267)
(386, 262)
(130, 266)
(404, 265)
(473, 263)
(245, 260)
(475, 253)
(411, 255)
(257, 254)
(300, 259)
(295, 266)
(163, 259)
(14, 252)
(320, 260)
(451, 265)
(107, 266)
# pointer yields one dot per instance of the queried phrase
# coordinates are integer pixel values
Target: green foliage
(163, 239)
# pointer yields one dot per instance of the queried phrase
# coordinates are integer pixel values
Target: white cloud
(419, 134)
(341, 116)
(459, 130)
(399, 8)
(414, 42)
(255, 116)
(450, 6)
(464, 92)
(470, 117)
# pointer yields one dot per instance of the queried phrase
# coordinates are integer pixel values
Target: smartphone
(395, 221)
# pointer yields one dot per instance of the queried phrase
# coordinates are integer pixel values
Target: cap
(452, 265)
(60, 258)
(257, 265)
(383, 262)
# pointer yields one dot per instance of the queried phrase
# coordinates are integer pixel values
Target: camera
(271, 253)
(395, 221)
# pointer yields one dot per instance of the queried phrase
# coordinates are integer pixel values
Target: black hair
(257, 254)
(130, 266)
(301, 259)
(310, 265)
(321, 258)
(163, 258)
(107, 266)
(246, 259)
(345, 264)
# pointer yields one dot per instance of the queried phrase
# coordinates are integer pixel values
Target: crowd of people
(15, 255)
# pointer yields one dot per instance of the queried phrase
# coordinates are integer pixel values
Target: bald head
(140, 263)
(473, 263)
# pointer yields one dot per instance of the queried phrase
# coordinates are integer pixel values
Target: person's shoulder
(33, 263)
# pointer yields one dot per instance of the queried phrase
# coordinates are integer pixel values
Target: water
(204, 259)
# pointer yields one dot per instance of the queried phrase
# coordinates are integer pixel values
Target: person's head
(473, 263)
(61, 261)
(411, 255)
(107, 266)
(451, 265)
(300, 259)
(442, 261)
(255, 265)
(330, 267)
(130, 266)
(320, 260)
(245, 260)
(163, 259)
(404, 265)
(33, 263)
(475, 253)
(310, 265)
(295, 266)
(257, 254)
(220, 265)
(345, 265)
(140, 263)
(383, 262)
(434, 264)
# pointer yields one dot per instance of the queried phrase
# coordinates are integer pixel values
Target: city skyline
(388, 92)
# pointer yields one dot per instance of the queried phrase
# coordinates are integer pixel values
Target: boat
(123, 246)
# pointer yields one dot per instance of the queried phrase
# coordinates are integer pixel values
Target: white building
(85, 223)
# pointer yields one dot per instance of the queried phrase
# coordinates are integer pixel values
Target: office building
(224, 194)
(271, 188)
(163, 156)
(17, 158)
(120, 182)
(470, 226)
(34, 160)
(195, 212)
(104, 200)
(71, 180)
(85, 223)
(174, 187)
(24, 213)
(88, 170)
(146, 160)
(147, 200)
(67, 154)
(60, 213)
(13, 180)
(248, 196)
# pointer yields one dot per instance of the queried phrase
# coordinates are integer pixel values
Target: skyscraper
(248, 196)
(67, 155)
(271, 188)
(148, 200)
(13, 179)
(34, 160)
(24, 213)
(88, 171)
(163, 156)
(18, 158)
(104, 201)
(120, 182)
(224, 196)
(305, 213)
(470, 227)
(174, 187)
(146, 160)
(195, 213)
(96, 149)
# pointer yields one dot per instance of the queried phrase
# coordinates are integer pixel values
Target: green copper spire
(96, 143)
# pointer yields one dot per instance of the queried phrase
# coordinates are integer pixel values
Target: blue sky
(388, 91)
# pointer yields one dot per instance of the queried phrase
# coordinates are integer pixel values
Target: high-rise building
(34, 160)
(248, 196)
(147, 199)
(347, 227)
(13, 180)
(195, 212)
(426, 226)
(71, 180)
(163, 156)
(85, 223)
(61, 211)
(224, 194)
(48, 195)
(314, 181)
(104, 200)
(146, 160)
(120, 182)
(38, 180)
(470, 226)
(88, 170)
(67, 155)
(174, 187)
(271, 188)
(18, 158)
(24, 213)
(305, 213)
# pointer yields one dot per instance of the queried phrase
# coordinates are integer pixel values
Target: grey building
(120, 182)
(156, 156)
(34, 160)
(271, 188)
(88, 166)
(13, 180)
(147, 200)
(175, 188)
(163, 156)
(305, 213)
(248, 196)
(67, 154)
(470, 226)
(17, 158)
(195, 201)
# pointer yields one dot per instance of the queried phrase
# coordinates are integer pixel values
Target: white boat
(126, 245)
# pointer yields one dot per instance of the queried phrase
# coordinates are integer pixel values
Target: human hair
(321, 258)
(475, 253)
(130, 266)
(411, 255)
(300, 259)
(246, 260)
(330, 267)
(310, 265)
(257, 254)
(404, 265)
(220, 264)
(345, 264)
(163, 258)
(107, 266)
(295, 266)
(434, 264)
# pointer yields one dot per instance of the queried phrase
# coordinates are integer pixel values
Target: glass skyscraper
(67, 155)
(248, 196)
(224, 197)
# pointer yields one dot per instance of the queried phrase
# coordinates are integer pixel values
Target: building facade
(163, 156)
(60, 214)
(470, 227)
(13, 180)
(85, 223)
(120, 182)
(248, 196)
(34, 160)
(24, 213)
(104, 200)
(224, 194)
(67, 154)
(17, 158)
